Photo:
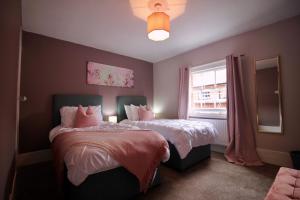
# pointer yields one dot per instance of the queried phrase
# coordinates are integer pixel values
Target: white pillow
(68, 114)
(128, 112)
(134, 112)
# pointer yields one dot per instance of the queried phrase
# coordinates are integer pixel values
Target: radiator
(221, 127)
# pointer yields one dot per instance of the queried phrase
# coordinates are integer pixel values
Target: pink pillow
(85, 119)
(68, 114)
(145, 107)
(145, 115)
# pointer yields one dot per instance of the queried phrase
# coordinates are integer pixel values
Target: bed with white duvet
(184, 134)
(189, 141)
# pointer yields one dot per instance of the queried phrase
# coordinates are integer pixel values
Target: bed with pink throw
(91, 171)
(286, 185)
(90, 150)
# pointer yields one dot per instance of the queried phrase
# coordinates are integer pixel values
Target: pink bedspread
(139, 151)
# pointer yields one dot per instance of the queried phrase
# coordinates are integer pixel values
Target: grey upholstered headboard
(72, 100)
(127, 100)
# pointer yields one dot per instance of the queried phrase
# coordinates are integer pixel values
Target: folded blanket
(128, 147)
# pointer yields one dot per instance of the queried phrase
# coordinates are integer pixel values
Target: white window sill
(208, 117)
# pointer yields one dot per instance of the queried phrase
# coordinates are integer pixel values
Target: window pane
(203, 78)
(221, 76)
(208, 92)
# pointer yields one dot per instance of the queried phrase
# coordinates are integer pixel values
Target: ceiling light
(158, 24)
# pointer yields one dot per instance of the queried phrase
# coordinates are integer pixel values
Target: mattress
(82, 162)
(184, 134)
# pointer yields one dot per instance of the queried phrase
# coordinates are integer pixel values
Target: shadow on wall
(33, 132)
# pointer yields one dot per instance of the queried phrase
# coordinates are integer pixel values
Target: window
(207, 97)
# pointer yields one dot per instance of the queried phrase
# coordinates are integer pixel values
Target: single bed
(116, 183)
(189, 154)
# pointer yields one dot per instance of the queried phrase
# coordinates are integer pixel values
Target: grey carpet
(214, 179)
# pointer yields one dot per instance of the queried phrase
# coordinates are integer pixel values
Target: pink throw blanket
(139, 151)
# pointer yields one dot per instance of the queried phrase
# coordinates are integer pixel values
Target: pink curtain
(183, 98)
(242, 147)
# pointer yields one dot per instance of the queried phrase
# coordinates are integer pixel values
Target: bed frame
(196, 155)
(116, 183)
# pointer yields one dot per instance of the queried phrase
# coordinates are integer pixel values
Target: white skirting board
(278, 158)
(217, 148)
(34, 157)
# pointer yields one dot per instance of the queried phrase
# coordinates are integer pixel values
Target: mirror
(268, 96)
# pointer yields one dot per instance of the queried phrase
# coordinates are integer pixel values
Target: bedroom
(47, 47)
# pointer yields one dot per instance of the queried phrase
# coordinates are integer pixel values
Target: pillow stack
(68, 114)
(139, 113)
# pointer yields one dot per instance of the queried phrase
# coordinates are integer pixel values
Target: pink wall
(278, 39)
(10, 21)
(51, 66)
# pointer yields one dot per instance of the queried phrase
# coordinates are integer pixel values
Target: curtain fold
(242, 146)
(183, 97)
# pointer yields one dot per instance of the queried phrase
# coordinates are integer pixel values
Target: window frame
(204, 67)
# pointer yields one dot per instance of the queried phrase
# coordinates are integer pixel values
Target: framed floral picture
(100, 74)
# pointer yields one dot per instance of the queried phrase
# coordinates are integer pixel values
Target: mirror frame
(279, 82)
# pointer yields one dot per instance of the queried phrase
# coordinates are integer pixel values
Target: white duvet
(82, 162)
(184, 134)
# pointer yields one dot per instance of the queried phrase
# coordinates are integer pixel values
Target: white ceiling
(112, 26)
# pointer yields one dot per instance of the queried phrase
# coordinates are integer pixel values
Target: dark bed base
(196, 155)
(113, 184)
